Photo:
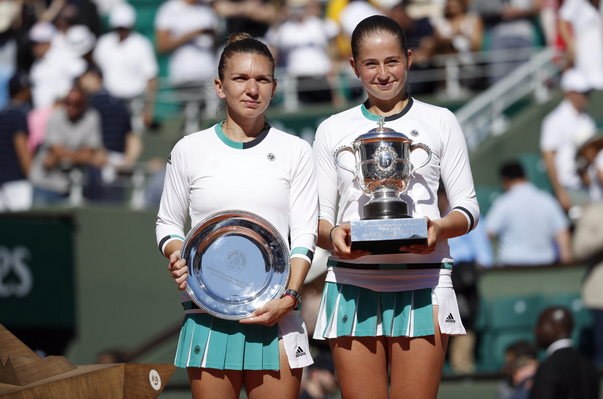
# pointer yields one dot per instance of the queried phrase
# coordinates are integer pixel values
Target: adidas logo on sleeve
(299, 352)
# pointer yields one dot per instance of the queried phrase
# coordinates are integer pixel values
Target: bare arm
(149, 102)
(560, 193)
(566, 35)
(563, 241)
(24, 156)
(58, 153)
(165, 43)
(133, 149)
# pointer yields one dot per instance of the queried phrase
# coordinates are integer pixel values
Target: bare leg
(212, 383)
(281, 384)
(361, 365)
(416, 364)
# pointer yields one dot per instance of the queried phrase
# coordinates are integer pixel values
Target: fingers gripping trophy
(383, 171)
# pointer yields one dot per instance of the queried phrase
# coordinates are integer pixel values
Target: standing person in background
(15, 159)
(391, 312)
(269, 173)
(565, 374)
(557, 133)
(580, 26)
(528, 223)
(128, 64)
(589, 154)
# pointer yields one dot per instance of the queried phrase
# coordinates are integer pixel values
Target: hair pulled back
(373, 25)
(243, 43)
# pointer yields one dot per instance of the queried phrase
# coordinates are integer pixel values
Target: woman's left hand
(433, 233)
(271, 312)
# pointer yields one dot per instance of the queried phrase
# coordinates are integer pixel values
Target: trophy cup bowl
(383, 170)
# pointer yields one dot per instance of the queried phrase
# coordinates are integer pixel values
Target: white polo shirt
(127, 66)
(557, 134)
(196, 60)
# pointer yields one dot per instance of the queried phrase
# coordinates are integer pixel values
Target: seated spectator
(321, 381)
(565, 373)
(15, 159)
(420, 38)
(459, 32)
(186, 30)
(528, 223)
(247, 16)
(588, 151)
(512, 32)
(73, 138)
(50, 74)
(557, 134)
(520, 366)
(580, 26)
(128, 64)
(122, 145)
(303, 42)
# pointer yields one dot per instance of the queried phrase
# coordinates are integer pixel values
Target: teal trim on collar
(367, 114)
(225, 139)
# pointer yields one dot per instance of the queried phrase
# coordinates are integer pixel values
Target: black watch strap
(294, 294)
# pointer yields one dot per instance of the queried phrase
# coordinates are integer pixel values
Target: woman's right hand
(178, 270)
(341, 237)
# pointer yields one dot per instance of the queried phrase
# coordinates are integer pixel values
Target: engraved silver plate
(237, 262)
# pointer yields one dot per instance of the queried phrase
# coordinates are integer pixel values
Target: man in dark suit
(565, 374)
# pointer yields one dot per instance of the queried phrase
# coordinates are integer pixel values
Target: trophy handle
(336, 157)
(427, 150)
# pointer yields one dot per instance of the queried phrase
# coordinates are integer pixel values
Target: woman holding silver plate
(242, 163)
(395, 311)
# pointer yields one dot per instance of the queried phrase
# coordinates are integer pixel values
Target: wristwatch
(293, 294)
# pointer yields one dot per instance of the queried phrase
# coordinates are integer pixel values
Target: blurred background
(95, 93)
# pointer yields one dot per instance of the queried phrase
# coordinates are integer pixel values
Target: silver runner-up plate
(237, 262)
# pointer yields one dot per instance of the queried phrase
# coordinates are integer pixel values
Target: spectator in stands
(565, 373)
(186, 30)
(303, 41)
(15, 159)
(530, 226)
(580, 26)
(459, 32)
(512, 32)
(50, 75)
(9, 15)
(420, 37)
(589, 144)
(518, 371)
(128, 64)
(321, 381)
(123, 146)
(247, 16)
(470, 252)
(80, 43)
(557, 134)
(73, 138)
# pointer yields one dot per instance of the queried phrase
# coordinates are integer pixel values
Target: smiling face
(381, 64)
(248, 85)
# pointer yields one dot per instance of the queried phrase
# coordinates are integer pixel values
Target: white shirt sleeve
(456, 171)
(174, 205)
(303, 204)
(326, 173)
(549, 138)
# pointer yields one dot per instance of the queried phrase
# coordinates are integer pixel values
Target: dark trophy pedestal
(386, 227)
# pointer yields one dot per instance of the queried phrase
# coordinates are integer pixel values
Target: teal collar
(390, 118)
(241, 146)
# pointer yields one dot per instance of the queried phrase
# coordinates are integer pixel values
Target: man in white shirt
(557, 134)
(529, 224)
(128, 63)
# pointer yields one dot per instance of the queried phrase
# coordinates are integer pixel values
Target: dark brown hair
(243, 43)
(372, 25)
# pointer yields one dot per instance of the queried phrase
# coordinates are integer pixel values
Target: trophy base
(386, 236)
(385, 210)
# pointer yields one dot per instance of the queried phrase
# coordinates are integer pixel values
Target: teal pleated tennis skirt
(210, 342)
(348, 310)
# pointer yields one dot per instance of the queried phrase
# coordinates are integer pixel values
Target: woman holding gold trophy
(241, 163)
(390, 308)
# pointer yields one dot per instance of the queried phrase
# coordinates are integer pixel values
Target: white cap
(80, 39)
(122, 15)
(586, 136)
(42, 32)
(574, 80)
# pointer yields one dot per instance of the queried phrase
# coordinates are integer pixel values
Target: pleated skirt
(210, 342)
(348, 310)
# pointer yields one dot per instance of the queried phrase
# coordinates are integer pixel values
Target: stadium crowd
(78, 85)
